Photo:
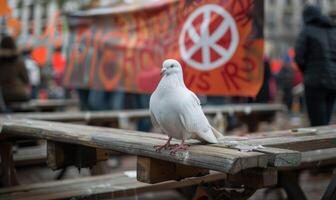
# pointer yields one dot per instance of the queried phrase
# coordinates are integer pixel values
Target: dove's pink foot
(181, 147)
(167, 145)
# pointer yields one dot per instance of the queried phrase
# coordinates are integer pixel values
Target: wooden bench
(122, 118)
(282, 150)
(30, 155)
(215, 157)
(125, 184)
(250, 114)
(43, 105)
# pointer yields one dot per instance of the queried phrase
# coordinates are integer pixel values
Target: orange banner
(4, 8)
(218, 42)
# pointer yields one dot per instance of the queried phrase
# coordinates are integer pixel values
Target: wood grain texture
(31, 155)
(311, 139)
(321, 138)
(105, 116)
(44, 104)
(281, 157)
(151, 170)
(61, 155)
(318, 155)
(125, 185)
(276, 157)
(316, 158)
(137, 143)
(255, 178)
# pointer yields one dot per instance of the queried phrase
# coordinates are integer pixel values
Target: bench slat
(30, 155)
(118, 185)
(320, 138)
(140, 113)
(312, 139)
(137, 143)
(125, 184)
(44, 104)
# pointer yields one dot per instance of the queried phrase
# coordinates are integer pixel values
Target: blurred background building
(36, 15)
(282, 18)
(283, 21)
(42, 22)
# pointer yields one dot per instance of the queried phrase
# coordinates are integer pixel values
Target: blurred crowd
(22, 78)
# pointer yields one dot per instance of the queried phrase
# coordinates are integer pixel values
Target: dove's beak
(163, 70)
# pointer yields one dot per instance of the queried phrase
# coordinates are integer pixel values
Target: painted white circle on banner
(205, 41)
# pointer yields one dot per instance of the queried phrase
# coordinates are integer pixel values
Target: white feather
(176, 110)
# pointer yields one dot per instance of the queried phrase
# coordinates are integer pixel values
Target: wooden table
(251, 114)
(282, 150)
(43, 105)
(214, 157)
(124, 184)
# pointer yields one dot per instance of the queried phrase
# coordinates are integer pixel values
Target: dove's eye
(171, 66)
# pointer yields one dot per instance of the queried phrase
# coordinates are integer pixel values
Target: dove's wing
(154, 120)
(193, 118)
(195, 98)
(152, 107)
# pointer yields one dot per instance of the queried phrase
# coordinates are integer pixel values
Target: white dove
(177, 111)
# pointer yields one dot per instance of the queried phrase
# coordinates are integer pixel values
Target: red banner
(218, 42)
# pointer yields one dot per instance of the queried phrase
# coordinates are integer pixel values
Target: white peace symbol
(206, 41)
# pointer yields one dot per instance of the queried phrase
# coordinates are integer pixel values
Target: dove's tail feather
(217, 134)
(210, 137)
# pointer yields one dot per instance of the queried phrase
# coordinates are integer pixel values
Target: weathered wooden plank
(305, 140)
(8, 172)
(124, 185)
(38, 155)
(80, 116)
(296, 132)
(276, 157)
(281, 157)
(138, 143)
(301, 143)
(60, 155)
(316, 158)
(104, 116)
(55, 156)
(44, 104)
(150, 170)
(318, 155)
(255, 178)
(30, 155)
(245, 108)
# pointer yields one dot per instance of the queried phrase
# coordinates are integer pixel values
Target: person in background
(3, 108)
(264, 95)
(141, 101)
(116, 100)
(316, 58)
(33, 73)
(285, 82)
(58, 63)
(14, 79)
(83, 95)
